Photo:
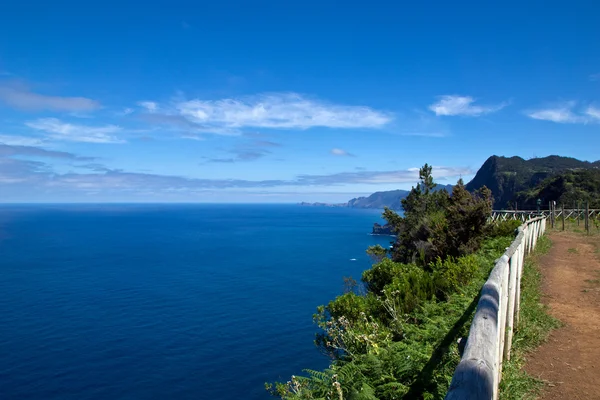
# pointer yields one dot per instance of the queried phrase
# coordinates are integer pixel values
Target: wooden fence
(490, 338)
(503, 215)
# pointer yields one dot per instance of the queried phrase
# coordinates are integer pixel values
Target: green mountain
(389, 199)
(571, 189)
(549, 178)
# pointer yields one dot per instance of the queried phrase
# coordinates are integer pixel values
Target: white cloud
(564, 114)
(15, 140)
(276, 110)
(7, 150)
(410, 175)
(41, 176)
(58, 130)
(450, 105)
(151, 106)
(20, 97)
(341, 152)
(593, 112)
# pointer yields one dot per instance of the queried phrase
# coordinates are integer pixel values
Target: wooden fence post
(503, 314)
(563, 216)
(520, 258)
(538, 228)
(512, 292)
(587, 217)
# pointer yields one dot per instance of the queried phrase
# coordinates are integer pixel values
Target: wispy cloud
(21, 97)
(266, 143)
(31, 176)
(380, 177)
(452, 105)
(593, 112)
(126, 111)
(16, 140)
(150, 106)
(341, 152)
(565, 113)
(241, 156)
(268, 111)
(57, 130)
(38, 152)
(176, 121)
(249, 151)
(595, 77)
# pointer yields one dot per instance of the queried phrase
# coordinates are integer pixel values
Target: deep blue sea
(168, 301)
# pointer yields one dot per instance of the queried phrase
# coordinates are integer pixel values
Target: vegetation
(572, 188)
(395, 335)
(515, 179)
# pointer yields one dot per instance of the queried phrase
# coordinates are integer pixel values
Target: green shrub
(451, 274)
(398, 340)
(504, 228)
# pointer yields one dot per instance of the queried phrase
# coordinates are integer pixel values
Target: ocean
(168, 301)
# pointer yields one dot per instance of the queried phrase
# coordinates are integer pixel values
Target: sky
(285, 101)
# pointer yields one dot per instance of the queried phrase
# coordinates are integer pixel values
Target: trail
(569, 361)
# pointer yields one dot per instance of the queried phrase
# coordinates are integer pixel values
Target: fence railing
(490, 338)
(523, 215)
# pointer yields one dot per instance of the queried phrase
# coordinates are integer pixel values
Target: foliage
(571, 188)
(398, 339)
(510, 178)
(387, 353)
(437, 225)
(504, 228)
(467, 217)
(377, 253)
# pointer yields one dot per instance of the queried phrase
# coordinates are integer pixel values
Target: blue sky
(280, 101)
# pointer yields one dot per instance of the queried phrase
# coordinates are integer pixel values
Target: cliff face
(391, 199)
(382, 229)
(506, 177)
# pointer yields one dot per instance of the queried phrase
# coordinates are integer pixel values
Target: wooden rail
(490, 338)
(503, 215)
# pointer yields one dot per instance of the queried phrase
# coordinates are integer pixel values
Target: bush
(451, 274)
(504, 228)
(393, 341)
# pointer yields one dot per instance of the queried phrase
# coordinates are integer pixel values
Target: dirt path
(570, 361)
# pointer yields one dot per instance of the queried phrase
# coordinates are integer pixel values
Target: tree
(467, 217)
(436, 224)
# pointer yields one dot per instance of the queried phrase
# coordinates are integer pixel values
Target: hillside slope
(571, 189)
(391, 199)
(507, 176)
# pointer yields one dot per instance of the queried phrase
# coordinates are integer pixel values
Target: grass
(533, 329)
(572, 250)
(572, 226)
